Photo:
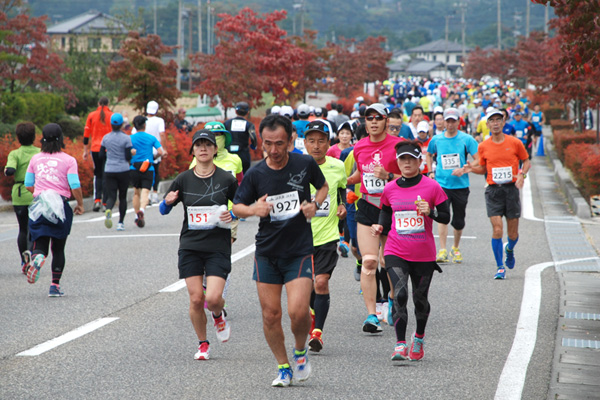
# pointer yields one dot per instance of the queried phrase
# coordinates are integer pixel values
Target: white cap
(275, 109)
(360, 98)
(287, 111)
(423, 126)
(303, 110)
(152, 107)
(438, 109)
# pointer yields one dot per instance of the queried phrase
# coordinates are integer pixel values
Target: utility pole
(179, 43)
(499, 27)
(527, 16)
(446, 48)
(199, 26)
(546, 19)
(155, 19)
(208, 36)
(463, 9)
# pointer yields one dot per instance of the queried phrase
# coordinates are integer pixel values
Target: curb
(580, 207)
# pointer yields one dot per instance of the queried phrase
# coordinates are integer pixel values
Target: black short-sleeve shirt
(283, 238)
(194, 191)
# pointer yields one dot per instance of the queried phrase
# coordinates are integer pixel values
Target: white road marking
(67, 337)
(462, 237)
(180, 284)
(118, 236)
(527, 205)
(512, 379)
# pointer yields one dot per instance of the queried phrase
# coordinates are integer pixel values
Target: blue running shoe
(500, 274)
(371, 324)
(344, 249)
(284, 378)
(510, 257)
(390, 316)
(55, 291)
(302, 366)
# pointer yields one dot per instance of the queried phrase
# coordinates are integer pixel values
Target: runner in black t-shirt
(278, 191)
(205, 241)
(241, 130)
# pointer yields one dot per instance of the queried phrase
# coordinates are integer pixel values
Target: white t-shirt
(155, 126)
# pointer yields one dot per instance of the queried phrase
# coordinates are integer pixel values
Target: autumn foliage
(583, 159)
(141, 74)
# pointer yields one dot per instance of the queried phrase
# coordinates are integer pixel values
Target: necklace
(199, 175)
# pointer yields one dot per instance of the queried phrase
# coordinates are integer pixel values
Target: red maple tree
(494, 62)
(253, 56)
(25, 60)
(141, 73)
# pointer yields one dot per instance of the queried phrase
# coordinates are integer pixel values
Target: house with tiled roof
(93, 30)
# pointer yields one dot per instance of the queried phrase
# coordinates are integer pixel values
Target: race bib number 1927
(285, 206)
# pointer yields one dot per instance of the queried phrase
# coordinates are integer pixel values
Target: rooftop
(438, 46)
(91, 21)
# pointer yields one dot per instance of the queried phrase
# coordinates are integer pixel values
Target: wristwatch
(390, 176)
(434, 213)
(317, 204)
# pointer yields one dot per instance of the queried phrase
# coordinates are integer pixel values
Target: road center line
(180, 284)
(514, 373)
(117, 236)
(67, 337)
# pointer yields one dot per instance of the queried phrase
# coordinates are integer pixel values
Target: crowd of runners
(368, 182)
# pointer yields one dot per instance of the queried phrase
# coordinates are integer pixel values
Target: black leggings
(98, 176)
(399, 271)
(41, 246)
(156, 176)
(116, 181)
(22, 213)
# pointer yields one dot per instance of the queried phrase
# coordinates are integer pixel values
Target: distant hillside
(405, 23)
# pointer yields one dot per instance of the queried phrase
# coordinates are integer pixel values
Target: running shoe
(357, 272)
(371, 324)
(344, 249)
(222, 327)
(203, 352)
(108, 220)
(510, 257)
(140, 219)
(312, 319)
(416, 350)
(400, 352)
(26, 263)
(33, 273)
(390, 316)
(500, 274)
(97, 205)
(316, 341)
(120, 226)
(442, 256)
(55, 291)
(302, 366)
(456, 256)
(284, 378)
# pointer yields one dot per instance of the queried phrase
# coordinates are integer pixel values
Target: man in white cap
(156, 127)
(452, 148)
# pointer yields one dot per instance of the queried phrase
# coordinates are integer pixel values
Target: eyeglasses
(495, 120)
(375, 117)
(394, 128)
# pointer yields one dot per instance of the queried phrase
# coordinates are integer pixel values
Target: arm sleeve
(102, 154)
(385, 218)
(11, 161)
(341, 193)
(164, 208)
(73, 180)
(128, 154)
(443, 213)
(29, 179)
(9, 171)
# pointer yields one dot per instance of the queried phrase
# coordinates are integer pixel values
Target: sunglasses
(375, 117)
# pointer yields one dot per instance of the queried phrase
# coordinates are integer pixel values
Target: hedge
(40, 108)
(583, 159)
(563, 138)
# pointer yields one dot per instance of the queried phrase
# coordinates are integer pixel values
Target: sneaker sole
(55, 295)
(27, 257)
(33, 273)
(315, 345)
(371, 328)
(108, 222)
(280, 384)
(400, 357)
(140, 221)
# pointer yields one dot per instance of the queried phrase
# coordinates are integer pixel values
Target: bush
(75, 149)
(12, 108)
(43, 108)
(553, 113)
(560, 124)
(563, 138)
(583, 159)
(71, 128)
(178, 148)
(8, 129)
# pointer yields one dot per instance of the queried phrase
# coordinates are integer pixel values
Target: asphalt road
(147, 351)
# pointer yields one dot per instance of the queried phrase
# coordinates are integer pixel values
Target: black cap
(406, 147)
(242, 106)
(52, 132)
(318, 125)
(203, 134)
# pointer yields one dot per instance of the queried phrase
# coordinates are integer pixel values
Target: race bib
(234, 147)
(535, 118)
(285, 206)
(450, 161)
(502, 175)
(408, 222)
(299, 144)
(323, 211)
(201, 218)
(238, 125)
(372, 184)
(520, 134)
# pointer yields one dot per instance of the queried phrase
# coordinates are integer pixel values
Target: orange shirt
(96, 129)
(502, 159)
